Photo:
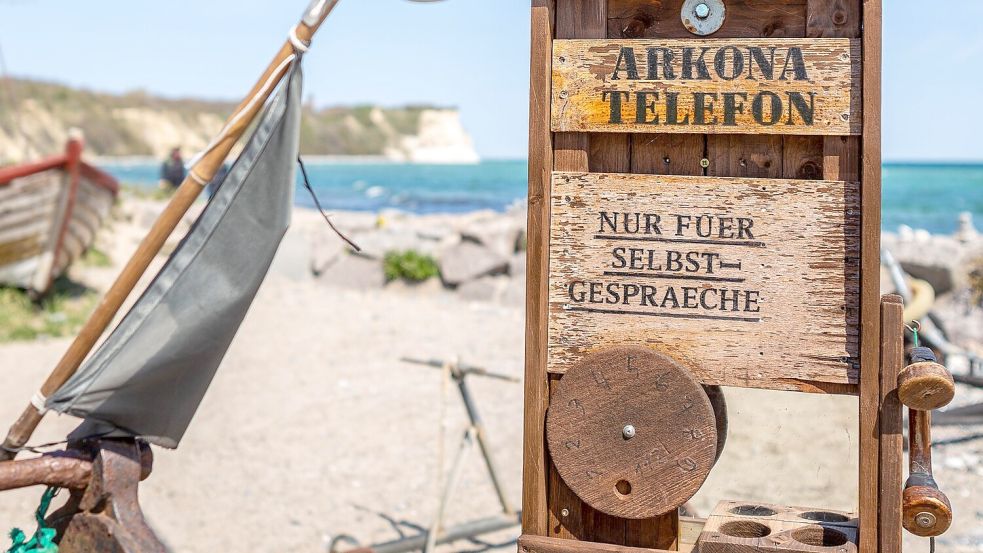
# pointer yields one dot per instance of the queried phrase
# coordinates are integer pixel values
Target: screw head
(704, 163)
(702, 10)
(565, 512)
(628, 431)
(925, 520)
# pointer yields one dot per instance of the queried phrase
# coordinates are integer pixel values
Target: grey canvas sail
(150, 375)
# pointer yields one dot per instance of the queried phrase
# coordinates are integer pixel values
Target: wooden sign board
(741, 86)
(747, 282)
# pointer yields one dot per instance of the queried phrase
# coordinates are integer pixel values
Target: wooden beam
(870, 273)
(890, 484)
(534, 462)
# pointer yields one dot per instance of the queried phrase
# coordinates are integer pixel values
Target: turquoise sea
(927, 196)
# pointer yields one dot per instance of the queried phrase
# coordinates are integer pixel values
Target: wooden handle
(185, 195)
(925, 386)
(925, 511)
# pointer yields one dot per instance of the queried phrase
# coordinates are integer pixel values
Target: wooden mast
(201, 173)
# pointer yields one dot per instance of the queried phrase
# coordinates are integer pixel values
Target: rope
(299, 45)
(307, 185)
(43, 539)
(38, 400)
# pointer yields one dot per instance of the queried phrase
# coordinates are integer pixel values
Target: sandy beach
(314, 427)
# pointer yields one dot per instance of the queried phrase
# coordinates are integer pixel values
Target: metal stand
(436, 534)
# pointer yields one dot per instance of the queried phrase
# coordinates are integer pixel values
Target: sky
(469, 54)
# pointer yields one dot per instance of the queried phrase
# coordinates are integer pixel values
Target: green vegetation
(409, 265)
(94, 257)
(61, 313)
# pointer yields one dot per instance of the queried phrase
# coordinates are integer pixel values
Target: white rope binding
(38, 400)
(298, 44)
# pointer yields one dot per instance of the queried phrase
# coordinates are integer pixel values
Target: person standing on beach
(172, 171)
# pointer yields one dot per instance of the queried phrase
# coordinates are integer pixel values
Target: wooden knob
(925, 386)
(925, 511)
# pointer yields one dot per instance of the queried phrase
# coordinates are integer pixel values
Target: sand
(314, 427)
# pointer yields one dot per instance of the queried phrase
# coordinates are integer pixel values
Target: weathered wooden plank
(534, 462)
(833, 18)
(667, 154)
(870, 272)
(541, 544)
(745, 18)
(754, 156)
(732, 86)
(777, 259)
(802, 157)
(609, 153)
(891, 466)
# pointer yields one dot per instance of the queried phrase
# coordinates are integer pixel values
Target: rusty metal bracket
(105, 516)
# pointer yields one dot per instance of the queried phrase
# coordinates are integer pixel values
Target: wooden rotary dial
(631, 432)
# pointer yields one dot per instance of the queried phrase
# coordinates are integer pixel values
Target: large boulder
(375, 244)
(500, 234)
(354, 271)
(942, 261)
(484, 289)
(468, 260)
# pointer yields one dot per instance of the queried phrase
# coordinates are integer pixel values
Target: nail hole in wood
(623, 487)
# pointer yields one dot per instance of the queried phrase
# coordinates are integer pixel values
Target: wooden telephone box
(704, 210)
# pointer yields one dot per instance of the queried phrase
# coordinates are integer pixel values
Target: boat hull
(50, 213)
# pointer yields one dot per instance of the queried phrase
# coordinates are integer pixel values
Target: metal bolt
(704, 163)
(565, 513)
(564, 94)
(702, 10)
(925, 520)
(628, 431)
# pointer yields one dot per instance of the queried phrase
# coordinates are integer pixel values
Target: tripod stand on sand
(474, 434)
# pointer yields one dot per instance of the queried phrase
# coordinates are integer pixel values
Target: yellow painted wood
(723, 86)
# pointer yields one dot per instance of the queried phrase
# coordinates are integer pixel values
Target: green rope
(43, 539)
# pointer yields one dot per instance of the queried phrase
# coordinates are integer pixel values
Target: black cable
(307, 184)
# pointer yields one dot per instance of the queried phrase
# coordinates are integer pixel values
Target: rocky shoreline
(480, 256)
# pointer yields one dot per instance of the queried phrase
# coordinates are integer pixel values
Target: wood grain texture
(891, 462)
(738, 527)
(802, 157)
(667, 154)
(674, 442)
(833, 18)
(755, 156)
(724, 88)
(541, 544)
(870, 274)
(534, 462)
(924, 386)
(796, 259)
(745, 18)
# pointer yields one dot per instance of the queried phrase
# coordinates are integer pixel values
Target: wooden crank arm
(201, 173)
(925, 511)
